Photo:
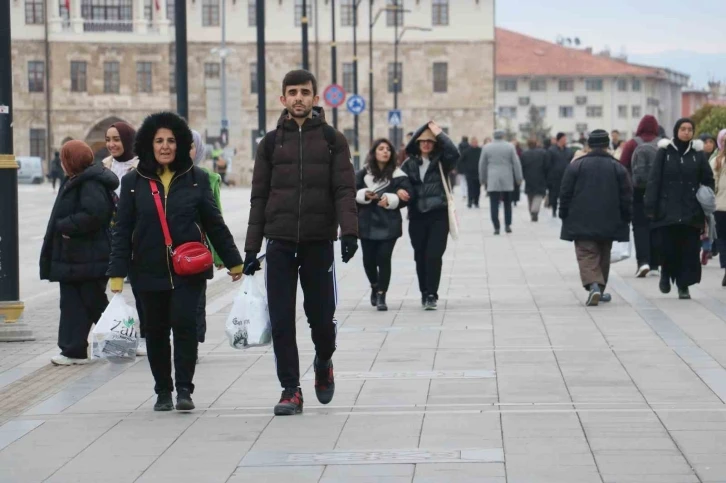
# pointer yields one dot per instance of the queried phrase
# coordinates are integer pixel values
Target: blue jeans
(505, 197)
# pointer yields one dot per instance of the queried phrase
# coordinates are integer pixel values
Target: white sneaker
(642, 271)
(61, 360)
(141, 349)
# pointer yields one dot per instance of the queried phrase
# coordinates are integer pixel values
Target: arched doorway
(96, 137)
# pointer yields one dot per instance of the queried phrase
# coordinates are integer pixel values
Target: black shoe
(723, 282)
(291, 402)
(508, 229)
(665, 283)
(164, 402)
(324, 380)
(684, 294)
(606, 297)
(535, 217)
(381, 302)
(431, 303)
(496, 231)
(594, 298)
(423, 300)
(374, 295)
(184, 400)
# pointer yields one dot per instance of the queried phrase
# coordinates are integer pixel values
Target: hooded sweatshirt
(647, 131)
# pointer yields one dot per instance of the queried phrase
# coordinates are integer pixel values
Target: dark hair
(532, 143)
(560, 135)
(615, 131)
(372, 163)
(144, 145)
(298, 78)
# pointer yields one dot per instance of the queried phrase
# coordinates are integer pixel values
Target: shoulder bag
(453, 219)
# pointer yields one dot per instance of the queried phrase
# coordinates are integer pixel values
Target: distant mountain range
(701, 67)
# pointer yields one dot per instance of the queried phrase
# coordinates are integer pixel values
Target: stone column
(55, 23)
(140, 23)
(161, 21)
(76, 17)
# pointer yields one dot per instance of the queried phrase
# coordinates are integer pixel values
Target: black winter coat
(82, 212)
(469, 163)
(558, 161)
(138, 247)
(596, 199)
(374, 222)
(670, 196)
(534, 169)
(428, 194)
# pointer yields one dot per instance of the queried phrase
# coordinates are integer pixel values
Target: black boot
(164, 402)
(184, 400)
(374, 295)
(381, 302)
(665, 282)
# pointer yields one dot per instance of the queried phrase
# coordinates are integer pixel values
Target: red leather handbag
(191, 258)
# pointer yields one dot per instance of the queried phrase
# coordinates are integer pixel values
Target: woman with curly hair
(166, 171)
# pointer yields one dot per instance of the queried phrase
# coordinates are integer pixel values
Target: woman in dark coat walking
(166, 170)
(428, 228)
(678, 220)
(383, 189)
(76, 248)
(534, 169)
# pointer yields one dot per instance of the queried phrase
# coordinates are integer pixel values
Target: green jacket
(214, 181)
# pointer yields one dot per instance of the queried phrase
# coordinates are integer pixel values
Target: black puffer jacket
(374, 222)
(670, 196)
(596, 199)
(428, 194)
(469, 162)
(534, 169)
(138, 247)
(82, 212)
(556, 165)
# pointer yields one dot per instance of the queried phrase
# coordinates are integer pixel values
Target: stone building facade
(123, 69)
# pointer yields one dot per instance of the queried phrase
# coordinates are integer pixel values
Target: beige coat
(720, 179)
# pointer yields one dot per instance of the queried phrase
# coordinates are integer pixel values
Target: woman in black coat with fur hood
(76, 248)
(163, 145)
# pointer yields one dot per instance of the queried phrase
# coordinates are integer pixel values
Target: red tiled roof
(520, 55)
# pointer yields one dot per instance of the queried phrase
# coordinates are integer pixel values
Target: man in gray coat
(499, 171)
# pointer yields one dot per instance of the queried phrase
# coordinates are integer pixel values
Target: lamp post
(261, 78)
(356, 143)
(223, 52)
(396, 74)
(182, 85)
(304, 23)
(334, 60)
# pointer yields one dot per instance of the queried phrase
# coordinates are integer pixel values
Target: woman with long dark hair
(383, 189)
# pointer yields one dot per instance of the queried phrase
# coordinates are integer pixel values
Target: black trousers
(553, 203)
(645, 252)
(377, 262)
(720, 217)
(504, 197)
(172, 310)
(140, 311)
(202, 315)
(429, 234)
(680, 250)
(473, 189)
(81, 305)
(315, 263)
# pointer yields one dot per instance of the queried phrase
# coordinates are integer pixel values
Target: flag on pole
(156, 2)
(68, 5)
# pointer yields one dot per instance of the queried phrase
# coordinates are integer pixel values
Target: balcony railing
(108, 26)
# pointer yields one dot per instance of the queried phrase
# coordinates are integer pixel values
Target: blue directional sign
(394, 118)
(356, 104)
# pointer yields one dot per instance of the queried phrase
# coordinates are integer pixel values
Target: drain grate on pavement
(403, 456)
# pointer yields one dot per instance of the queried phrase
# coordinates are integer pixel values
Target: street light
(223, 51)
(396, 78)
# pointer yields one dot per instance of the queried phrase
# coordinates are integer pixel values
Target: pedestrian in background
(430, 153)
(559, 158)
(166, 172)
(710, 149)
(401, 156)
(596, 209)
(383, 189)
(469, 167)
(457, 177)
(676, 215)
(500, 171)
(719, 173)
(76, 248)
(534, 171)
(55, 170)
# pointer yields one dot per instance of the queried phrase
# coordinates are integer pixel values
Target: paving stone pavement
(511, 380)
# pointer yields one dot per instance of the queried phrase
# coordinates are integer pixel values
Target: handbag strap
(160, 211)
(447, 190)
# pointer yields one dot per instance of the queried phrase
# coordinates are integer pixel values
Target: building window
(349, 136)
(508, 85)
(211, 70)
(581, 100)
(254, 80)
(143, 77)
(111, 78)
(567, 112)
(392, 77)
(593, 111)
(593, 85)
(149, 11)
(78, 76)
(440, 12)
(346, 13)
(622, 85)
(394, 16)
(348, 77)
(567, 85)
(637, 85)
(508, 112)
(170, 11)
(538, 85)
(542, 112)
(107, 15)
(36, 76)
(172, 69)
(623, 112)
(524, 101)
(653, 102)
(637, 112)
(210, 13)
(37, 143)
(34, 12)
(581, 127)
(308, 12)
(251, 13)
(441, 77)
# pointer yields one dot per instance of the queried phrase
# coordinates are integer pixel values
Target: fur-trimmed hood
(144, 146)
(696, 144)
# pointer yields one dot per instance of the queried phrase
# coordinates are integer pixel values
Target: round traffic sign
(334, 95)
(356, 104)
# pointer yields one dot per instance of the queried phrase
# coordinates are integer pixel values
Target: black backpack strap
(331, 135)
(270, 140)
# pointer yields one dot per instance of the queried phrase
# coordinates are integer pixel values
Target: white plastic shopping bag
(115, 336)
(248, 324)
(621, 251)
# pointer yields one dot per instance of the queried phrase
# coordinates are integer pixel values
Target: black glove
(252, 264)
(348, 245)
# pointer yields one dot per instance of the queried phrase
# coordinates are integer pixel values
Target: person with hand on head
(303, 189)
(76, 250)
(142, 248)
(383, 189)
